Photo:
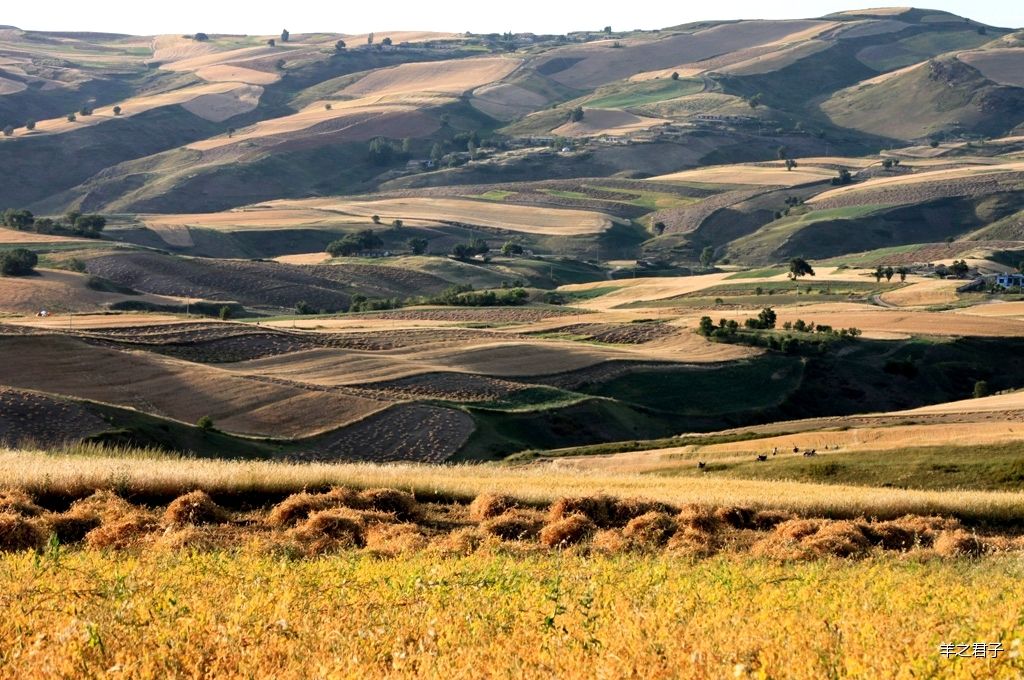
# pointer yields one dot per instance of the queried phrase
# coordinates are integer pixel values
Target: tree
(355, 243)
(706, 326)
(607, 30)
(461, 251)
(369, 39)
(339, 46)
(397, 224)
(755, 101)
(436, 152)
(231, 132)
(903, 271)
(30, 124)
(205, 424)
(675, 75)
(510, 248)
(790, 164)
(328, 106)
(285, 35)
(200, 37)
(707, 256)
(18, 219)
(980, 389)
(959, 268)
(418, 246)
(381, 151)
(86, 110)
(303, 307)
(479, 246)
(90, 223)
(117, 110)
(659, 228)
(17, 262)
(576, 115)
(72, 117)
(225, 313)
(844, 177)
(271, 43)
(798, 267)
(1020, 266)
(375, 219)
(8, 130)
(888, 274)
(767, 318)
(386, 41)
(879, 273)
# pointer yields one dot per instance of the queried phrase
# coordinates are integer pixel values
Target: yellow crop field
(766, 175)
(90, 613)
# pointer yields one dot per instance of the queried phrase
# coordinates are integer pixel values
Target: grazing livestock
(762, 458)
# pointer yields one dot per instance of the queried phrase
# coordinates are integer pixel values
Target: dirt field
(895, 323)
(1014, 401)
(1004, 66)
(15, 237)
(60, 292)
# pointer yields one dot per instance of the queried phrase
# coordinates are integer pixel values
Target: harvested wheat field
(20, 238)
(895, 323)
(444, 77)
(440, 211)
(175, 389)
(610, 122)
(923, 293)
(60, 292)
(755, 175)
(1013, 401)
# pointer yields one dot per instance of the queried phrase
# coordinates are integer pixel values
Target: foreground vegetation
(90, 613)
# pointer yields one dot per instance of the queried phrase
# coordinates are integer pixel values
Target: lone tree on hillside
(117, 110)
(980, 389)
(879, 273)
(205, 424)
(418, 246)
(271, 43)
(707, 256)
(397, 224)
(798, 267)
(844, 177)
(790, 164)
(285, 35)
(755, 101)
(369, 39)
(386, 41)
(959, 268)
(675, 75)
(17, 262)
(30, 124)
(72, 117)
(889, 274)
(576, 115)
(375, 219)
(339, 46)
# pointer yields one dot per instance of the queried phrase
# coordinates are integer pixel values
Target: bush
(359, 242)
(205, 423)
(18, 262)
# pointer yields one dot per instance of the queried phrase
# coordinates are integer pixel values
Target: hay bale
(567, 531)
(796, 529)
(764, 520)
(627, 509)
(71, 526)
(598, 509)
(959, 543)
(332, 529)
(488, 505)
(698, 518)
(693, 543)
(513, 525)
(401, 503)
(106, 504)
(653, 529)
(297, 507)
(395, 539)
(193, 509)
(460, 542)
(122, 532)
(17, 502)
(19, 533)
(610, 542)
(841, 538)
(736, 517)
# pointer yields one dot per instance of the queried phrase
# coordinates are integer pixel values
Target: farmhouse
(1010, 280)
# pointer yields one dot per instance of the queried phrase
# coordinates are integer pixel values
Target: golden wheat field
(498, 614)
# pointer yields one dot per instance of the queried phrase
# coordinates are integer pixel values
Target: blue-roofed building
(1010, 280)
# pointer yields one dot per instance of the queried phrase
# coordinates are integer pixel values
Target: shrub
(18, 262)
(205, 423)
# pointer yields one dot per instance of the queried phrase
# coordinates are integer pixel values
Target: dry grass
(17, 502)
(651, 529)
(514, 525)
(328, 530)
(488, 505)
(88, 470)
(959, 543)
